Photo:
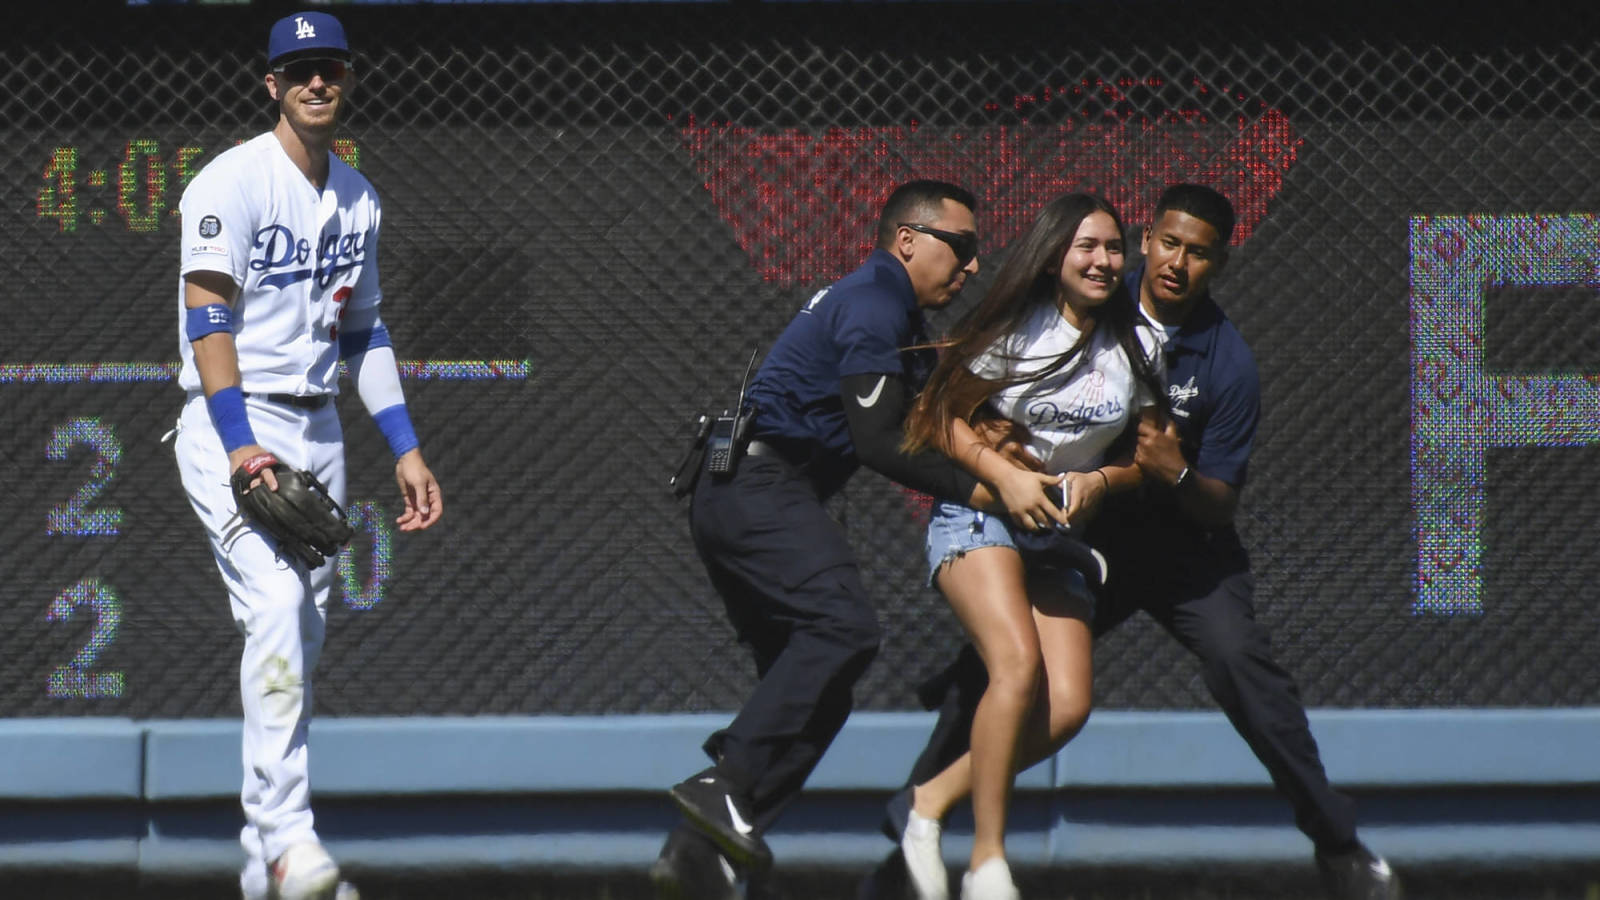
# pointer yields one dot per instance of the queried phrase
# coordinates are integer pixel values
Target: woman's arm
(1020, 492)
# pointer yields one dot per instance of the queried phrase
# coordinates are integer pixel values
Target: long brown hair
(1030, 276)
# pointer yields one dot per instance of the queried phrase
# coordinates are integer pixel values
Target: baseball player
(279, 283)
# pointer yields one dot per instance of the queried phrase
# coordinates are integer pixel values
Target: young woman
(1052, 348)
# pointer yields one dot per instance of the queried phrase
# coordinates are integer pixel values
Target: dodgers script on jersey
(1074, 415)
(305, 262)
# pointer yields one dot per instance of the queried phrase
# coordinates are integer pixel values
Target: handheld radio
(727, 430)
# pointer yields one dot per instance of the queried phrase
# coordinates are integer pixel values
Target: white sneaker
(929, 880)
(254, 882)
(990, 881)
(305, 872)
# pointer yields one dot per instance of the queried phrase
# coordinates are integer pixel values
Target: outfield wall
(1481, 787)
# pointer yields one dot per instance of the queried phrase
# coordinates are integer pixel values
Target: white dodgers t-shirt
(1075, 414)
(305, 262)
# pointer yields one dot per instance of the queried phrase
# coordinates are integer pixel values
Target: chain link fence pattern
(608, 206)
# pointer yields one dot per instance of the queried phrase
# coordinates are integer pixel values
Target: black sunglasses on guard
(965, 246)
(300, 71)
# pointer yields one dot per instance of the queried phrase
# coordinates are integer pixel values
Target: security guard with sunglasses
(830, 396)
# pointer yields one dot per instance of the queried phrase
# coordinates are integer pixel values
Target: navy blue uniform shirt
(1215, 393)
(861, 325)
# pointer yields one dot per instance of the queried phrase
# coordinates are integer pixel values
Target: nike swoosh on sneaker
(868, 401)
(739, 824)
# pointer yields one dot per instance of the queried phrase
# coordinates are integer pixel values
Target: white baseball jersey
(304, 261)
(1074, 415)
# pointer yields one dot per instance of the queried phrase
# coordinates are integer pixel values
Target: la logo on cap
(306, 31)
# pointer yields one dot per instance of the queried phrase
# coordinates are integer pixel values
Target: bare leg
(983, 597)
(987, 590)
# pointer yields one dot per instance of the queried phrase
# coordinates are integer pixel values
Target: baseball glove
(307, 522)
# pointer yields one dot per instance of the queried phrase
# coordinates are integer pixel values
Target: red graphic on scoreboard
(802, 204)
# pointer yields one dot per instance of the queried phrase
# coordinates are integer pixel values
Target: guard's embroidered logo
(303, 29)
(1182, 394)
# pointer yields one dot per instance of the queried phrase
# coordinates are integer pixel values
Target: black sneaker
(708, 801)
(690, 867)
(1357, 874)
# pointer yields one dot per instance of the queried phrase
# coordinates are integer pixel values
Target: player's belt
(301, 401)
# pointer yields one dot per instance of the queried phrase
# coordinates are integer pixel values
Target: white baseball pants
(279, 607)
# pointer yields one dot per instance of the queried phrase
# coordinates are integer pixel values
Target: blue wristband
(210, 319)
(395, 423)
(228, 415)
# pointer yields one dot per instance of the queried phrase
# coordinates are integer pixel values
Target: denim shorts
(955, 530)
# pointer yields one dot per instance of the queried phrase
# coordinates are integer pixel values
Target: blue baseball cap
(307, 31)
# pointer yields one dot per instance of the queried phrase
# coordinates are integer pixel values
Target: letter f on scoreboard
(1459, 409)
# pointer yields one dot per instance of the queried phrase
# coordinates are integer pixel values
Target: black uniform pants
(793, 592)
(1210, 609)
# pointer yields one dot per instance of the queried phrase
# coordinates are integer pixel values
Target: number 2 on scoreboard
(77, 679)
(76, 516)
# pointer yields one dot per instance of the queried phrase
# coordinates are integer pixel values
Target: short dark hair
(1197, 200)
(916, 200)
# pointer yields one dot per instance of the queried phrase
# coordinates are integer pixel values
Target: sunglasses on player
(965, 246)
(301, 70)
